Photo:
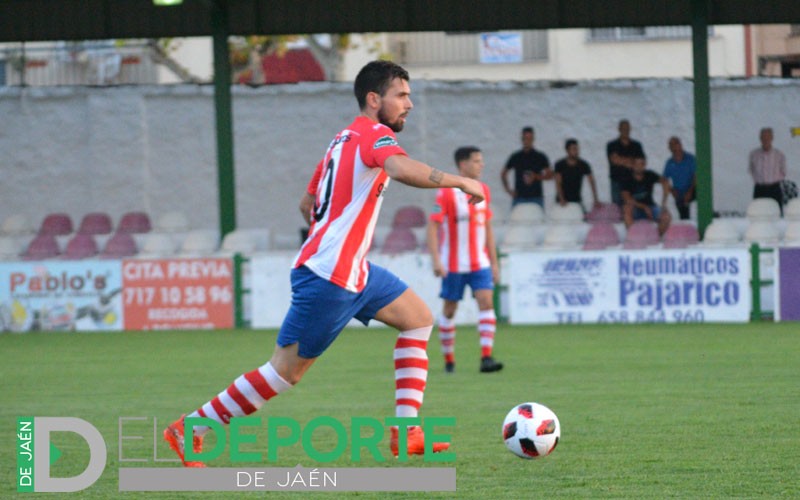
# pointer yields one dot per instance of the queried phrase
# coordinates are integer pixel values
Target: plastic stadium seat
(762, 232)
(601, 236)
(605, 212)
(96, 223)
(157, 245)
(134, 223)
(792, 235)
(641, 234)
(11, 247)
(571, 213)
(521, 236)
(681, 235)
(765, 209)
(56, 224)
(80, 246)
(118, 246)
(17, 225)
(720, 233)
(239, 241)
(172, 222)
(401, 239)
(526, 213)
(409, 216)
(792, 210)
(561, 237)
(43, 246)
(199, 242)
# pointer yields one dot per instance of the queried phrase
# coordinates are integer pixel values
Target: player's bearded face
(396, 123)
(395, 105)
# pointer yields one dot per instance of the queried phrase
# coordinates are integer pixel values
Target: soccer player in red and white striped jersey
(465, 256)
(332, 282)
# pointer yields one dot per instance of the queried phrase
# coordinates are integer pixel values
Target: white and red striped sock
(486, 327)
(410, 370)
(447, 337)
(244, 396)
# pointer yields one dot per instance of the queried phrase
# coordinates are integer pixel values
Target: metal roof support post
(702, 114)
(226, 184)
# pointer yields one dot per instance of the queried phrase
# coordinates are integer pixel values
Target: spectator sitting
(680, 169)
(621, 152)
(637, 192)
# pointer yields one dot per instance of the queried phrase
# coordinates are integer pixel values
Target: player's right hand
(439, 270)
(473, 188)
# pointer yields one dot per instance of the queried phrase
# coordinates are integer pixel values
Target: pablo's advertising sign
(693, 285)
(60, 295)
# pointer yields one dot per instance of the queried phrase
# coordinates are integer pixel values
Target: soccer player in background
(466, 256)
(332, 281)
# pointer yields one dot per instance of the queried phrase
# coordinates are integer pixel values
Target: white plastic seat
(571, 213)
(762, 232)
(561, 237)
(238, 241)
(157, 245)
(792, 234)
(11, 247)
(172, 222)
(526, 213)
(17, 225)
(199, 242)
(520, 236)
(763, 209)
(721, 233)
(792, 210)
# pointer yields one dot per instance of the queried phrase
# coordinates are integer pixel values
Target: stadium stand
(17, 225)
(118, 246)
(56, 224)
(791, 211)
(96, 223)
(134, 223)
(642, 234)
(601, 235)
(238, 241)
(43, 246)
(522, 237)
(80, 246)
(681, 235)
(763, 209)
(409, 216)
(401, 239)
(792, 235)
(561, 237)
(526, 213)
(172, 222)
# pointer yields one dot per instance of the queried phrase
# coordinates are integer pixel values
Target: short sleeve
(379, 144)
(314, 182)
(439, 207)
(488, 199)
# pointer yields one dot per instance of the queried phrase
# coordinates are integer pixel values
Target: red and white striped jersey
(463, 243)
(348, 185)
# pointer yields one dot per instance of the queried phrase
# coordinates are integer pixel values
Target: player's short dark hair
(570, 142)
(376, 76)
(527, 130)
(464, 152)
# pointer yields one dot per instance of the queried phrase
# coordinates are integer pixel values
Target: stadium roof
(30, 20)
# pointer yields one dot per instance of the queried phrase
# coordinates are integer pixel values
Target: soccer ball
(531, 430)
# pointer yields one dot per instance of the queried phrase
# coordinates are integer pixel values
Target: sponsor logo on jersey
(386, 140)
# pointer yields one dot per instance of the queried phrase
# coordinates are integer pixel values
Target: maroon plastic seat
(134, 223)
(43, 246)
(96, 223)
(641, 234)
(400, 240)
(601, 236)
(81, 246)
(605, 212)
(56, 224)
(118, 246)
(409, 216)
(681, 236)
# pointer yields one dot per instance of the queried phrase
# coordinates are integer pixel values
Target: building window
(794, 30)
(426, 48)
(642, 33)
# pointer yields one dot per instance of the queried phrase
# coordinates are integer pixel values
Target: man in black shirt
(637, 191)
(530, 167)
(569, 174)
(621, 152)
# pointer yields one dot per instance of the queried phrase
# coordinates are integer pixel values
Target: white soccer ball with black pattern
(531, 430)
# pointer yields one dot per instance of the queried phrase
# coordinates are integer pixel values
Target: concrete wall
(153, 148)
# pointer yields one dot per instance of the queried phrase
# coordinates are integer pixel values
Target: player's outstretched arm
(417, 174)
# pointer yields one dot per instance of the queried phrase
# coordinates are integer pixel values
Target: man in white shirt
(768, 169)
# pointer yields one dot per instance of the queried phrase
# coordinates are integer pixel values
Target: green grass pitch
(647, 411)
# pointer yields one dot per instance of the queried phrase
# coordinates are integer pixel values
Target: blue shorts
(639, 214)
(454, 283)
(320, 310)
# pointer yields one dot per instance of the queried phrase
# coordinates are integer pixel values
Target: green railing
(756, 283)
(239, 291)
